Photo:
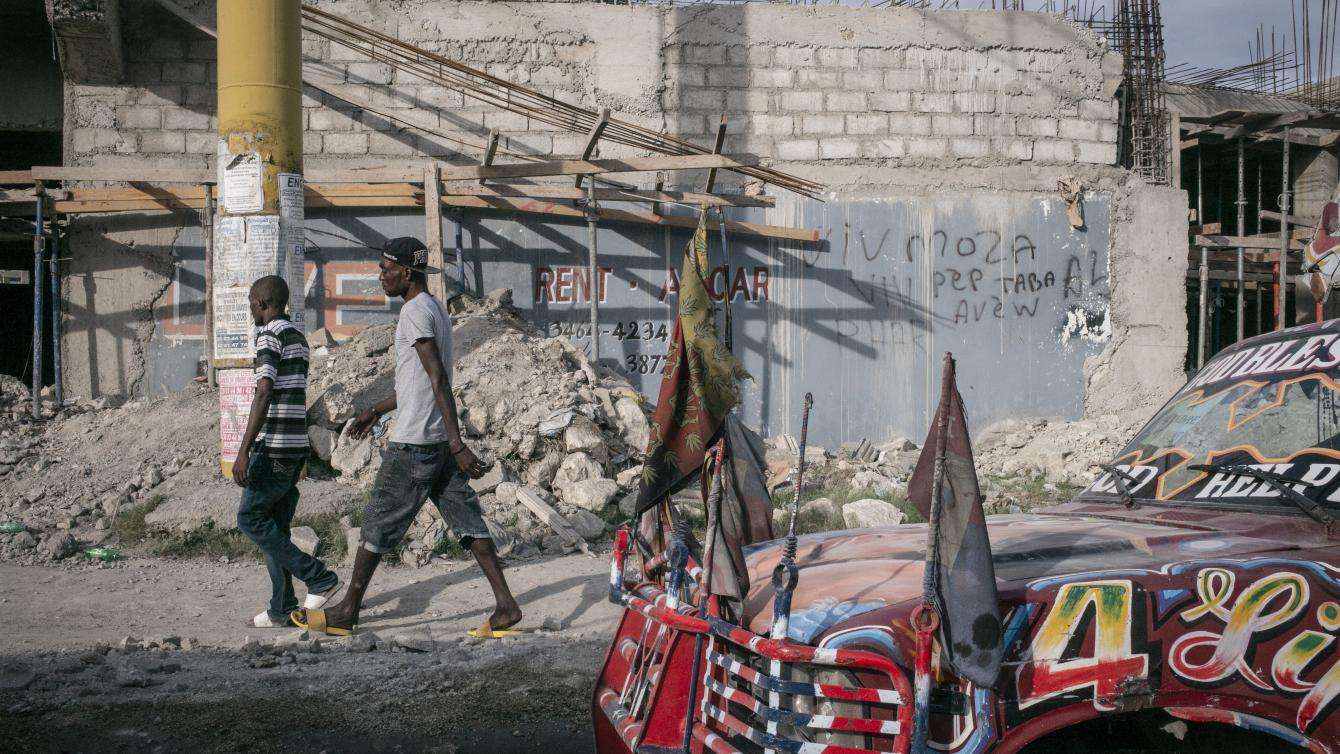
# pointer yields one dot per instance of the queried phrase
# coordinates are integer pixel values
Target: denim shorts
(409, 475)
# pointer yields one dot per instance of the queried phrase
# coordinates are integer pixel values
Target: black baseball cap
(408, 251)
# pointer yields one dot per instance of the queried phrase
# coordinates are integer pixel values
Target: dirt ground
(67, 683)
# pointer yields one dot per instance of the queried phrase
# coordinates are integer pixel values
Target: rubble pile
(562, 434)
(1065, 452)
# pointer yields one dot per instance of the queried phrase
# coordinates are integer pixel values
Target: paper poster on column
(232, 318)
(241, 185)
(236, 389)
(291, 212)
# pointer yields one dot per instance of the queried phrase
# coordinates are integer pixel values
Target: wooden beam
(396, 196)
(461, 188)
(489, 151)
(432, 218)
(716, 149)
(1242, 242)
(16, 176)
(593, 139)
(660, 184)
(1310, 222)
(408, 175)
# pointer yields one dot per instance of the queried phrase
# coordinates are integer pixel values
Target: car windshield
(1273, 406)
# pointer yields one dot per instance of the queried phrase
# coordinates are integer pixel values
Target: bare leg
(506, 612)
(345, 614)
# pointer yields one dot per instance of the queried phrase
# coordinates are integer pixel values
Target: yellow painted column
(259, 227)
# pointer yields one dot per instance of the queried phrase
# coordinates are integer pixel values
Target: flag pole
(926, 617)
(713, 506)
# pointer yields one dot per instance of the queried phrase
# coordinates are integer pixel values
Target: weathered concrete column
(1318, 172)
(259, 228)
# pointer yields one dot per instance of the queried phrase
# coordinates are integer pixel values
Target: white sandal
(317, 600)
(262, 620)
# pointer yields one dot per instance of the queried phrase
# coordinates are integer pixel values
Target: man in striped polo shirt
(272, 454)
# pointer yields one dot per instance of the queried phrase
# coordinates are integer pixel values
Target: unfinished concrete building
(973, 197)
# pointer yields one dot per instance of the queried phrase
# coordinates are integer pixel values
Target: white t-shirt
(418, 421)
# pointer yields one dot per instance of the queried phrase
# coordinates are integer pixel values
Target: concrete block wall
(876, 103)
(820, 89)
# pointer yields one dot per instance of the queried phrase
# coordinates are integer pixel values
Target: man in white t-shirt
(425, 457)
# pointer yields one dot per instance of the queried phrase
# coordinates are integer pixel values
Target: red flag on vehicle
(745, 513)
(960, 577)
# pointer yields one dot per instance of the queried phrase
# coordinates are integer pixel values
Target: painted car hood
(846, 573)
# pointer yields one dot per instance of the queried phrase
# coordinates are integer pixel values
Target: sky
(1215, 33)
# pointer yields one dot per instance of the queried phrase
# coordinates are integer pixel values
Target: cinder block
(867, 123)
(1053, 150)
(1096, 153)
(1035, 126)
(139, 117)
(530, 143)
(1107, 132)
(803, 101)
(794, 56)
(188, 72)
(82, 140)
(162, 142)
(837, 57)
(145, 72)
(845, 102)
(890, 101)
(347, 143)
(207, 142)
(966, 149)
(326, 119)
(821, 124)
(779, 78)
(1098, 109)
(163, 48)
(208, 49)
(993, 124)
(884, 149)
(871, 57)
(863, 80)
(186, 120)
(975, 102)
(198, 95)
(400, 142)
(909, 124)
(728, 76)
(705, 54)
(505, 121)
(818, 78)
(703, 99)
(904, 80)
(750, 101)
(772, 125)
(928, 148)
(751, 55)
(169, 94)
(1017, 149)
(438, 97)
(550, 75)
(955, 124)
(687, 75)
(933, 102)
(799, 149)
(1079, 130)
(839, 149)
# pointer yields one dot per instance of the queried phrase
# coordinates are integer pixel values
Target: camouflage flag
(699, 385)
(745, 516)
(961, 580)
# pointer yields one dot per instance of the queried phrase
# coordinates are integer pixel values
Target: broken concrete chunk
(630, 477)
(490, 481)
(322, 441)
(588, 494)
(415, 639)
(867, 513)
(582, 436)
(351, 456)
(820, 507)
(304, 538)
(633, 424)
(587, 524)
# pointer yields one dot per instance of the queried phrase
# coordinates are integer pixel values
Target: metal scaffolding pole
(1242, 231)
(1285, 207)
(1201, 306)
(207, 225)
(53, 272)
(594, 289)
(39, 301)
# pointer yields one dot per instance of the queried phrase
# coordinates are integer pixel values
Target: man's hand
(468, 461)
(240, 467)
(363, 424)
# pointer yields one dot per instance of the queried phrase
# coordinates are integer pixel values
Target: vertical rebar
(1242, 231)
(591, 253)
(54, 272)
(1285, 206)
(1200, 307)
(207, 225)
(39, 302)
(1200, 186)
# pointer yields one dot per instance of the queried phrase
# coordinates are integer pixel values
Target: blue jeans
(268, 504)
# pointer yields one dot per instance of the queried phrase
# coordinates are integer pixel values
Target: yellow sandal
(315, 620)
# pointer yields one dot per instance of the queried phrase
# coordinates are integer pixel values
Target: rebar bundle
(1139, 36)
(505, 95)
